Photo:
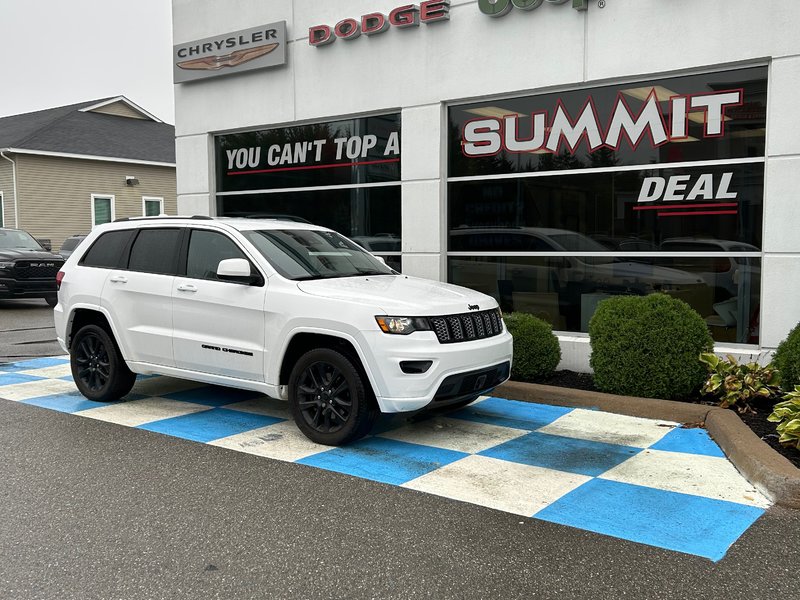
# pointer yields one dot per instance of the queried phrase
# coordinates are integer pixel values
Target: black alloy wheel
(94, 365)
(99, 371)
(329, 400)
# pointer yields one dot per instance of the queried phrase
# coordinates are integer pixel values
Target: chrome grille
(450, 329)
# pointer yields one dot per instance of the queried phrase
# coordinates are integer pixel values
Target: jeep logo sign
(500, 8)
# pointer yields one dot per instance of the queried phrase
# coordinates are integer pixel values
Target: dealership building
(550, 153)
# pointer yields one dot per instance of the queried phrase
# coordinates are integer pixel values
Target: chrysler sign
(245, 50)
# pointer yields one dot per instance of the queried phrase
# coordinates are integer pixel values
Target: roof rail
(165, 218)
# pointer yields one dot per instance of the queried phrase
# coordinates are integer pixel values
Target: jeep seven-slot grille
(467, 326)
(37, 269)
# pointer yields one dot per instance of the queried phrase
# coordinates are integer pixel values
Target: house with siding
(65, 170)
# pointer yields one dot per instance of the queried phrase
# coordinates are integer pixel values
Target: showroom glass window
(557, 201)
(341, 174)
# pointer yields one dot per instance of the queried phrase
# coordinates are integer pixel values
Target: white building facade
(551, 153)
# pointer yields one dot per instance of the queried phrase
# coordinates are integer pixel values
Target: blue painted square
(679, 522)
(12, 378)
(68, 403)
(585, 457)
(36, 363)
(690, 441)
(209, 425)
(511, 413)
(384, 460)
(213, 395)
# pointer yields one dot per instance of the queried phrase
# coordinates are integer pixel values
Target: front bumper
(453, 368)
(33, 288)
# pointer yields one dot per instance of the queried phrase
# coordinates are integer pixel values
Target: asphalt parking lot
(195, 491)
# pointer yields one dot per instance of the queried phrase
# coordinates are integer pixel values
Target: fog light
(415, 367)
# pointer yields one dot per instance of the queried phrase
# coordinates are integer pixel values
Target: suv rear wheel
(97, 366)
(329, 399)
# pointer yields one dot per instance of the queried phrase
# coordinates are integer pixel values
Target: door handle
(119, 279)
(187, 287)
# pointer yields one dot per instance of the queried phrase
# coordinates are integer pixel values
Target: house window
(102, 209)
(152, 207)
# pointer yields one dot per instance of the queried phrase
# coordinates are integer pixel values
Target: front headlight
(6, 265)
(402, 325)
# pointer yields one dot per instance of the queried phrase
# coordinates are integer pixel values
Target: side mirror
(236, 270)
(381, 260)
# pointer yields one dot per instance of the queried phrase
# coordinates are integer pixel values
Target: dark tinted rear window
(107, 250)
(155, 251)
(70, 243)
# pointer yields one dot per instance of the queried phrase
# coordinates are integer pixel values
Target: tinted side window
(106, 251)
(206, 249)
(155, 251)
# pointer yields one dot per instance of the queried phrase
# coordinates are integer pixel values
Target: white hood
(400, 295)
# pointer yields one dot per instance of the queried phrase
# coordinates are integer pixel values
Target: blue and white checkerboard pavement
(646, 481)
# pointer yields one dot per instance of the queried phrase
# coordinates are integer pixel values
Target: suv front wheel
(329, 399)
(97, 366)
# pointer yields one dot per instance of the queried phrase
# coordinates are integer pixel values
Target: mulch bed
(757, 420)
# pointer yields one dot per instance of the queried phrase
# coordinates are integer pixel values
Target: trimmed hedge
(536, 348)
(787, 359)
(648, 346)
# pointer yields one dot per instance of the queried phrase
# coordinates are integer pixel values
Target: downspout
(14, 177)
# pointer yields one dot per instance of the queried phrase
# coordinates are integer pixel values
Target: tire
(330, 399)
(51, 301)
(97, 366)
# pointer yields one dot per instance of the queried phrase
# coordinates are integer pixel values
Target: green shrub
(787, 359)
(648, 346)
(536, 349)
(787, 415)
(737, 384)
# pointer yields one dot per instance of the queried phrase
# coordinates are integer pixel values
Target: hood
(22, 254)
(400, 295)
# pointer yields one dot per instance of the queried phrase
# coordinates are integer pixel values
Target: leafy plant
(647, 346)
(536, 349)
(736, 384)
(787, 359)
(787, 415)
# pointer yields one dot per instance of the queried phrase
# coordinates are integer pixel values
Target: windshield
(18, 240)
(301, 254)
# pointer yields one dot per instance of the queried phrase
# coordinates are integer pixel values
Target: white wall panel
(782, 206)
(194, 204)
(630, 37)
(780, 308)
(422, 217)
(194, 20)
(421, 153)
(427, 266)
(239, 101)
(194, 164)
(782, 113)
(471, 55)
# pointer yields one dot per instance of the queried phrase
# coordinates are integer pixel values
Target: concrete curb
(771, 473)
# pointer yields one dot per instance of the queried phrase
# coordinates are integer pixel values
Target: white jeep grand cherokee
(291, 310)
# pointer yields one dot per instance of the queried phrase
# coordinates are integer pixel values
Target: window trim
(2, 211)
(146, 199)
(111, 197)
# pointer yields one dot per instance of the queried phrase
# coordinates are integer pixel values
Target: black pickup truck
(26, 269)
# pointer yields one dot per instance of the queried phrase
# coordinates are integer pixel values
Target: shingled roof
(85, 129)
